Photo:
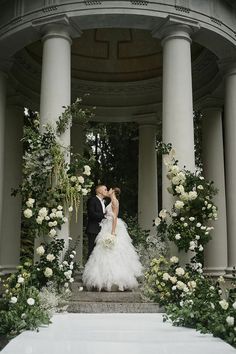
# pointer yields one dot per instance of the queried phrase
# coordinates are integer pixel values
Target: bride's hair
(117, 192)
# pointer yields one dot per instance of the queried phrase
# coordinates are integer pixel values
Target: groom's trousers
(91, 243)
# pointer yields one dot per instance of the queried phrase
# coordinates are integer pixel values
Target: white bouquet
(108, 240)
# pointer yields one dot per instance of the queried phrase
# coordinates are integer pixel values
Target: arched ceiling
(114, 55)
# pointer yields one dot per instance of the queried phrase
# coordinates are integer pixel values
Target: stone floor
(114, 334)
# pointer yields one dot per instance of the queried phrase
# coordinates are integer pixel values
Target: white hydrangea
(30, 202)
(40, 250)
(30, 301)
(48, 272)
(50, 257)
(179, 204)
(28, 213)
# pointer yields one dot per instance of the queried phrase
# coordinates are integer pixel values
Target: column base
(231, 273)
(8, 268)
(214, 271)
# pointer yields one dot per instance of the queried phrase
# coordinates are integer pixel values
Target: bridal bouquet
(108, 240)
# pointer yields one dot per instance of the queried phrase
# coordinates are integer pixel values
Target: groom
(96, 212)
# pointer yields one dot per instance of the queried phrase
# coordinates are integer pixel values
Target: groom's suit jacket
(95, 215)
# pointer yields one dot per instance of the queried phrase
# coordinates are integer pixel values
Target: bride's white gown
(118, 265)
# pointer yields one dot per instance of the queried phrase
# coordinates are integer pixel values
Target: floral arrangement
(187, 224)
(108, 240)
(192, 299)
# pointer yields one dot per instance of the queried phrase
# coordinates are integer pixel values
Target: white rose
(73, 178)
(192, 245)
(52, 233)
(81, 179)
(74, 252)
(175, 169)
(81, 288)
(166, 276)
(197, 237)
(65, 263)
(72, 256)
(199, 224)
(50, 224)
(173, 280)
(48, 272)
(87, 170)
(20, 280)
(192, 195)
(50, 257)
(70, 209)
(180, 285)
(39, 220)
(174, 214)
(230, 320)
(175, 180)
(177, 237)
(52, 215)
(192, 284)
(43, 212)
(173, 288)
(47, 218)
(234, 305)
(28, 213)
(30, 301)
(64, 219)
(54, 223)
(13, 300)
(174, 259)
(179, 204)
(182, 177)
(59, 214)
(66, 285)
(179, 189)
(192, 218)
(30, 202)
(224, 304)
(200, 248)
(200, 187)
(84, 191)
(40, 250)
(163, 213)
(179, 271)
(157, 221)
(59, 207)
(71, 280)
(184, 197)
(185, 224)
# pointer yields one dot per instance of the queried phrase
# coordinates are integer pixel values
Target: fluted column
(215, 252)
(147, 178)
(76, 226)
(2, 147)
(56, 83)
(229, 68)
(11, 223)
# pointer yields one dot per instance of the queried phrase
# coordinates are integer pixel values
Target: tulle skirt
(116, 266)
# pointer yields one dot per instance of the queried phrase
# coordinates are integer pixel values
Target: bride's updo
(117, 192)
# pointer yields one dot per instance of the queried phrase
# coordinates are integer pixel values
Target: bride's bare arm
(115, 209)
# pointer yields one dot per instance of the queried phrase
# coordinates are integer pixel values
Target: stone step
(113, 307)
(94, 296)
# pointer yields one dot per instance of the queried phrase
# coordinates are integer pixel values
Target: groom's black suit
(95, 216)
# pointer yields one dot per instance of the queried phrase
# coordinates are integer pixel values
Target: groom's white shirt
(103, 204)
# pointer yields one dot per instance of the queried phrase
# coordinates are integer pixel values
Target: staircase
(109, 302)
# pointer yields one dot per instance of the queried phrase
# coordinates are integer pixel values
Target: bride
(114, 260)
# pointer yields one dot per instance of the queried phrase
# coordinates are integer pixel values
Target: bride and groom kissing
(119, 264)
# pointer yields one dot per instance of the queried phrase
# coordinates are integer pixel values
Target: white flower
(65, 263)
(20, 280)
(192, 284)
(66, 285)
(200, 248)
(212, 306)
(13, 300)
(173, 280)
(52, 233)
(173, 287)
(81, 288)
(81, 179)
(47, 218)
(192, 218)
(182, 218)
(28, 213)
(185, 224)
(179, 189)
(84, 191)
(174, 259)
(50, 224)
(72, 256)
(209, 206)
(184, 197)
(221, 279)
(174, 214)
(201, 178)
(40, 250)
(30, 202)
(166, 276)
(200, 187)
(157, 221)
(177, 237)
(71, 266)
(230, 320)
(163, 213)
(199, 224)
(59, 207)
(180, 285)
(65, 219)
(39, 220)
(179, 204)
(48, 272)
(26, 111)
(234, 305)
(71, 280)
(192, 245)
(87, 170)
(192, 195)
(197, 237)
(70, 209)
(175, 169)
(52, 215)
(179, 271)
(74, 252)
(30, 301)
(43, 212)
(59, 214)
(73, 178)
(224, 304)
(50, 257)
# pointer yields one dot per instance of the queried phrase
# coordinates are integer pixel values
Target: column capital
(211, 103)
(60, 26)
(227, 66)
(175, 27)
(146, 119)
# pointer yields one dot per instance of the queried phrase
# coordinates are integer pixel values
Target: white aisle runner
(115, 334)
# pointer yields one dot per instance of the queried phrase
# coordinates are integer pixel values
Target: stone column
(229, 68)
(76, 226)
(213, 164)
(147, 178)
(56, 83)
(177, 116)
(3, 89)
(11, 223)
